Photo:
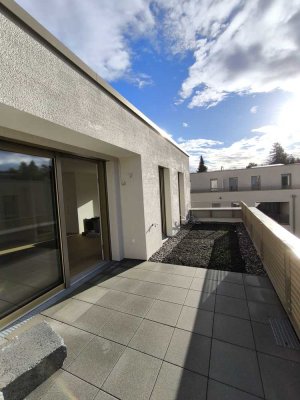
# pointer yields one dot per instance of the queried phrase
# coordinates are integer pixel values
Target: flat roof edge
(36, 27)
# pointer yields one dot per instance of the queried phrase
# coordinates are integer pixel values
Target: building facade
(84, 176)
(274, 189)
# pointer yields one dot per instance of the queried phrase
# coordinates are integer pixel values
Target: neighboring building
(84, 176)
(274, 189)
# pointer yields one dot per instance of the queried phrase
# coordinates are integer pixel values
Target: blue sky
(221, 77)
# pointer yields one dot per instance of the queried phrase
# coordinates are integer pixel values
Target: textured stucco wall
(48, 99)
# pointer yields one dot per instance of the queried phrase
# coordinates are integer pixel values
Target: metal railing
(280, 253)
(244, 189)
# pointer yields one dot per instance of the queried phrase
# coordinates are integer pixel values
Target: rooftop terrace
(161, 331)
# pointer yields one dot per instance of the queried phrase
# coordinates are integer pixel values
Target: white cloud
(96, 31)
(185, 125)
(240, 153)
(238, 46)
(254, 109)
(140, 80)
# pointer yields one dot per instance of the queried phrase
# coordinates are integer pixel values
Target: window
(255, 182)
(216, 205)
(213, 185)
(29, 240)
(285, 181)
(233, 184)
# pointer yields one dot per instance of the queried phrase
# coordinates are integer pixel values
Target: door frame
(104, 214)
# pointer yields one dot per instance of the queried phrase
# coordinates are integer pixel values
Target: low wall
(218, 214)
(280, 254)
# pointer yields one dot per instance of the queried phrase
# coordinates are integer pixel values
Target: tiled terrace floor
(169, 332)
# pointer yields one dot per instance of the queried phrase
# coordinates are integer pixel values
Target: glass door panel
(30, 262)
(82, 213)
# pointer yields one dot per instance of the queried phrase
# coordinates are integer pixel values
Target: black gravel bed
(223, 246)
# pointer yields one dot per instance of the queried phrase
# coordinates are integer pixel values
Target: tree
(278, 155)
(202, 167)
(251, 164)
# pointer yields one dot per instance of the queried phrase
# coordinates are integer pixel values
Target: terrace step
(28, 360)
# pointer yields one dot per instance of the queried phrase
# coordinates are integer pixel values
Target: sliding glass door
(80, 184)
(30, 262)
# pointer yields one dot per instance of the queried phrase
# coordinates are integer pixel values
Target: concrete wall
(45, 100)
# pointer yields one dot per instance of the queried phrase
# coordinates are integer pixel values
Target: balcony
(146, 330)
(246, 189)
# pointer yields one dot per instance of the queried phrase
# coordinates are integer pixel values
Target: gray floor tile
(204, 285)
(68, 387)
(168, 268)
(258, 281)
(189, 350)
(196, 320)
(262, 312)
(133, 377)
(204, 274)
(203, 300)
(93, 319)
(126, 302)
(175, 383)
(107, 281)
(139, 287)
(75, 339)
(44, 388)
(219, 391)
(263, 295)
(281, 378)
(172, 294)
(231, 290)
(96, 361)
(91, 294)
(231, 306)
(120, 327)
(159, 277)
(175, 280)
(164, 312)
(104, 396)
(235, 366)
(233, 330)
(152, 338)
(68, 310)
(266, 343)
(231, 277)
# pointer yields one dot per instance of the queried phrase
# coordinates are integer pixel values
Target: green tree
(278, 155)
(251, 164)
(202, 167)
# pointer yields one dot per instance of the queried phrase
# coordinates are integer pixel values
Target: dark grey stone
(28, 360)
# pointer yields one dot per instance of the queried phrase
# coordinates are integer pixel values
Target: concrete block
(28, 360)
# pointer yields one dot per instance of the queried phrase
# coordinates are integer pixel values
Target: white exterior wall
(270, 177)
(47, 101)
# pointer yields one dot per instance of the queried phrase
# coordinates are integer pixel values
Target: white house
(84, 176)
(274, 189)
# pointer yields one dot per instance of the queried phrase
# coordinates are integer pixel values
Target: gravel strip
(223, 246)
(253, 264)
(170, 244)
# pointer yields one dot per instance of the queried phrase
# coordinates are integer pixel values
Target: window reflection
(29, 248)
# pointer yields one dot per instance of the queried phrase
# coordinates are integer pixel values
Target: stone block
(28, 360)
